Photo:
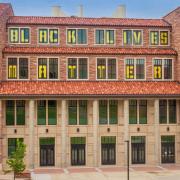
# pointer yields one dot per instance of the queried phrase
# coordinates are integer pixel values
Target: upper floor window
(106, 68)
(105, 36)
(162, 68)
(17, 68)
(135, 68)
(77, 112)
(19, 35)
(15, 112)
(137, 112)
(77, 68)
(132, 37)
(48, 36)
(76, 36)
(48, 68)
(167, 111)
(159, 38)
(108, 112)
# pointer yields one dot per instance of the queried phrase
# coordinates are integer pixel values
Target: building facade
(75, 89)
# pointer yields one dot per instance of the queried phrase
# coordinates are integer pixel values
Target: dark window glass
(103, 114)
(53, 68)
(42, 68)
(172, 111)
(101, 68)
(82, 36)
(23, 68)
(71, 36)
(41, 112)
(20, 112)
(133, 112)
(163, 111)
(24, 35)
(140, 69)
(10, 112)
(127, 37)
(83, 68)
(52, 112)
(111, 68)
(168, 69)
(72, 111)
(129, 68)
(154, 38)
(43, 35)
(12, 68)
(83, 112)
(113, 112)
(109, 36)
(157, 69)
(72, 68)
(12, 144)
(142, 112)
(99, 36)
(53, 36)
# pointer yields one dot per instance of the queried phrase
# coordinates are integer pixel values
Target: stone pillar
(31, 133)
(1, 135)
(95, 132)
(64, 133)
(156, 132)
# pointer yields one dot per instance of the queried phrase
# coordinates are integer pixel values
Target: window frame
(135, 60)
(71, 44)
(159, 44)
(7, 68)
(48, 43)
(106, 59)
(19, 34)
(162, 58)
(77, 60)
(132, 44)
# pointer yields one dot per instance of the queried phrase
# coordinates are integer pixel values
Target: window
(19, 35)
(137, 112)
(167, 111)
(77, 68)
(12, 145)
(132, 37)
(77, 111)
(15, 112)
(48, 36)
(108, 112)
(106, 68)
(159, 38)
(17, 68)
(48, 68)
(46, 112)
(163, 69)
(135, 68)
(105, 36)
(77, 36)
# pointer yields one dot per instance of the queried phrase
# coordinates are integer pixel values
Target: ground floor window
(138, 149)
(12, 144)
(108, 150)
(168, 149)
(47, 151)
(78, 151)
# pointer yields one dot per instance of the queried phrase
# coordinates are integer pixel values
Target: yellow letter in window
(53, 36)
(157, 72)
(42, 36)
(164, 38)
(107, 37)
(14, 35)
(125, 37)
(42, 71)
(129, 72)
(137, 37)
(12, 71)
(101, 72)
(72, 71)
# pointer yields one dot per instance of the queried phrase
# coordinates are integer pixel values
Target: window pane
(168, 69)
(108, 139)
(129, 68)
(12, 68)
(101, 68)
(83, 112)
(137, 37)
(103, 119)
(82, 36)
(14, 35)
(172, 111)
(71, 36)
(137, 139)
(47, 141)
(42, 68)
(53, 36)
(83, 68)
(41, 112)
(52, 112)
(109, 36)
(164, 37)
(72, 111)
(10, 115)
(99, 36)
(140, 69)
(154, 37)
(113, 112)
(24, 35)
(133, 112)
(78, 140)
(12, 144)
(111, 68)
(20, 112)
(127, 37)
(53, 68)
(142, 112)
(157, 69)
(43, 36)
(72, 68)
(23, 68)
(163, 111)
